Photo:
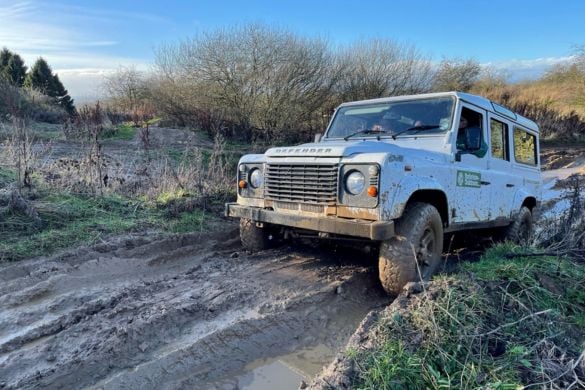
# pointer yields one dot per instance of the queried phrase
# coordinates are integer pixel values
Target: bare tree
(382, 67)
(143, 115)
(262, 82)
(264, 79)
(456, 75)
(126, 87)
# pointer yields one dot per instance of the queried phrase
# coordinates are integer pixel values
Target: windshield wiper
(367, 131)
(416, 128)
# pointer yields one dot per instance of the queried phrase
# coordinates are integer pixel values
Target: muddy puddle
(306, 355)
(288, 371)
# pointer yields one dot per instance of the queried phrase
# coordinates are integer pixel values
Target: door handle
(509, 185)
(485, 183)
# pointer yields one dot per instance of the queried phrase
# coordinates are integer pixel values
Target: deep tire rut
(186, 311)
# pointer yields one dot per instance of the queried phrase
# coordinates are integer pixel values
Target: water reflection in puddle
(276, 375)
(286, 372)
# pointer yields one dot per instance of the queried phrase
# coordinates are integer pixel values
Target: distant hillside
(563, 92)
(556, 101)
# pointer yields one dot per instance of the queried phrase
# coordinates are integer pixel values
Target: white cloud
(85, 84)
(103, 15)
(35, 26)
(527, 69)
(59, 33)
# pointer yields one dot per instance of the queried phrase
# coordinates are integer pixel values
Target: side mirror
(318, 137)
(472, 138)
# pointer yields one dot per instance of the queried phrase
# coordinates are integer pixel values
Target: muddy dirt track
(188, 311)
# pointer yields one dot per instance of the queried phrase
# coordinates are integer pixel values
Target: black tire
(520, 230)
(420, 227)
(255, 238)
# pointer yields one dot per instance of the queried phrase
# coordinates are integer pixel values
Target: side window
(524, 147)
(499, 140)
(471, 119)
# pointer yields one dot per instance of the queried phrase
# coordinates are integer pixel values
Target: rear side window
(499, 140)
(524, 147)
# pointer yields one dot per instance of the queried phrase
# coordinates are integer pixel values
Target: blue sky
(83, 40)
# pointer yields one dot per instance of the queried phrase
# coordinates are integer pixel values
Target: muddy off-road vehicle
(399, 172)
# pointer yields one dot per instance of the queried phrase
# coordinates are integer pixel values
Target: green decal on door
(468, 179)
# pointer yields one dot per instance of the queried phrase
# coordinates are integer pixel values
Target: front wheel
(415, 252)
(255, 238)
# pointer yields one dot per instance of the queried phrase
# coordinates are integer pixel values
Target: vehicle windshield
(400, 118)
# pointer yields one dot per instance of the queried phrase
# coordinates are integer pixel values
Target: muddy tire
(255, 238)
(520, 230)
(420, 227)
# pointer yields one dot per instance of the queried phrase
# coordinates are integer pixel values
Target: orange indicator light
(372, 191)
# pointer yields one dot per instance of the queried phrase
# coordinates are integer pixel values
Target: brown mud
(187, 311)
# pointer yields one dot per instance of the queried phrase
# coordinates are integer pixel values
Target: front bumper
(378, 230)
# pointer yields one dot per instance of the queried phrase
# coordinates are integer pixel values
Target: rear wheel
(416, 250)
(520, 230)
(255, 238)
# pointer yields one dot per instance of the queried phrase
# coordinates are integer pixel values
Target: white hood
(333, 149)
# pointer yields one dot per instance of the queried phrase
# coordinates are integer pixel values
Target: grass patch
(47, 131)
(122, 132)
(187, 222)
(166, 197)
(6, 177)
(499, 323)
(176, 155)
(71, 219)
(68, 220)
(538, 283)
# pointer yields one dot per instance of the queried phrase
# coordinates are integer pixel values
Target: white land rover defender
(401, 172)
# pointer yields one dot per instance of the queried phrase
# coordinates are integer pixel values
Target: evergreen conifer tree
(62, 96)
(15, 71)
(41, 78)
(5, 55)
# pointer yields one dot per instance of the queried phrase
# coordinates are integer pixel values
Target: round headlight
(256, 178)
(355, 182)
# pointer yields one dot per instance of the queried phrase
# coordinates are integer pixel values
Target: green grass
(188, 222)
(394, 366)
(186, 157)
(176, 155)
(6, 177)
(47, 131)
(71, 219)
(537, 282)
(123, 132)
(491, 326)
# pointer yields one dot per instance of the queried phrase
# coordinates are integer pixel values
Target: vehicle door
(469, 190)
(525, 161)
(503, 180)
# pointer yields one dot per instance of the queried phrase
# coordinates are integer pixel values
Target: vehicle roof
(475, 100)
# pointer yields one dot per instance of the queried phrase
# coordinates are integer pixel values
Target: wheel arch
(434, 197)
(529, 202)
(523, 198)
(417, 189)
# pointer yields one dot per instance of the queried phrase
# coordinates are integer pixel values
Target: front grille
(304, 183)
(308, 207)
